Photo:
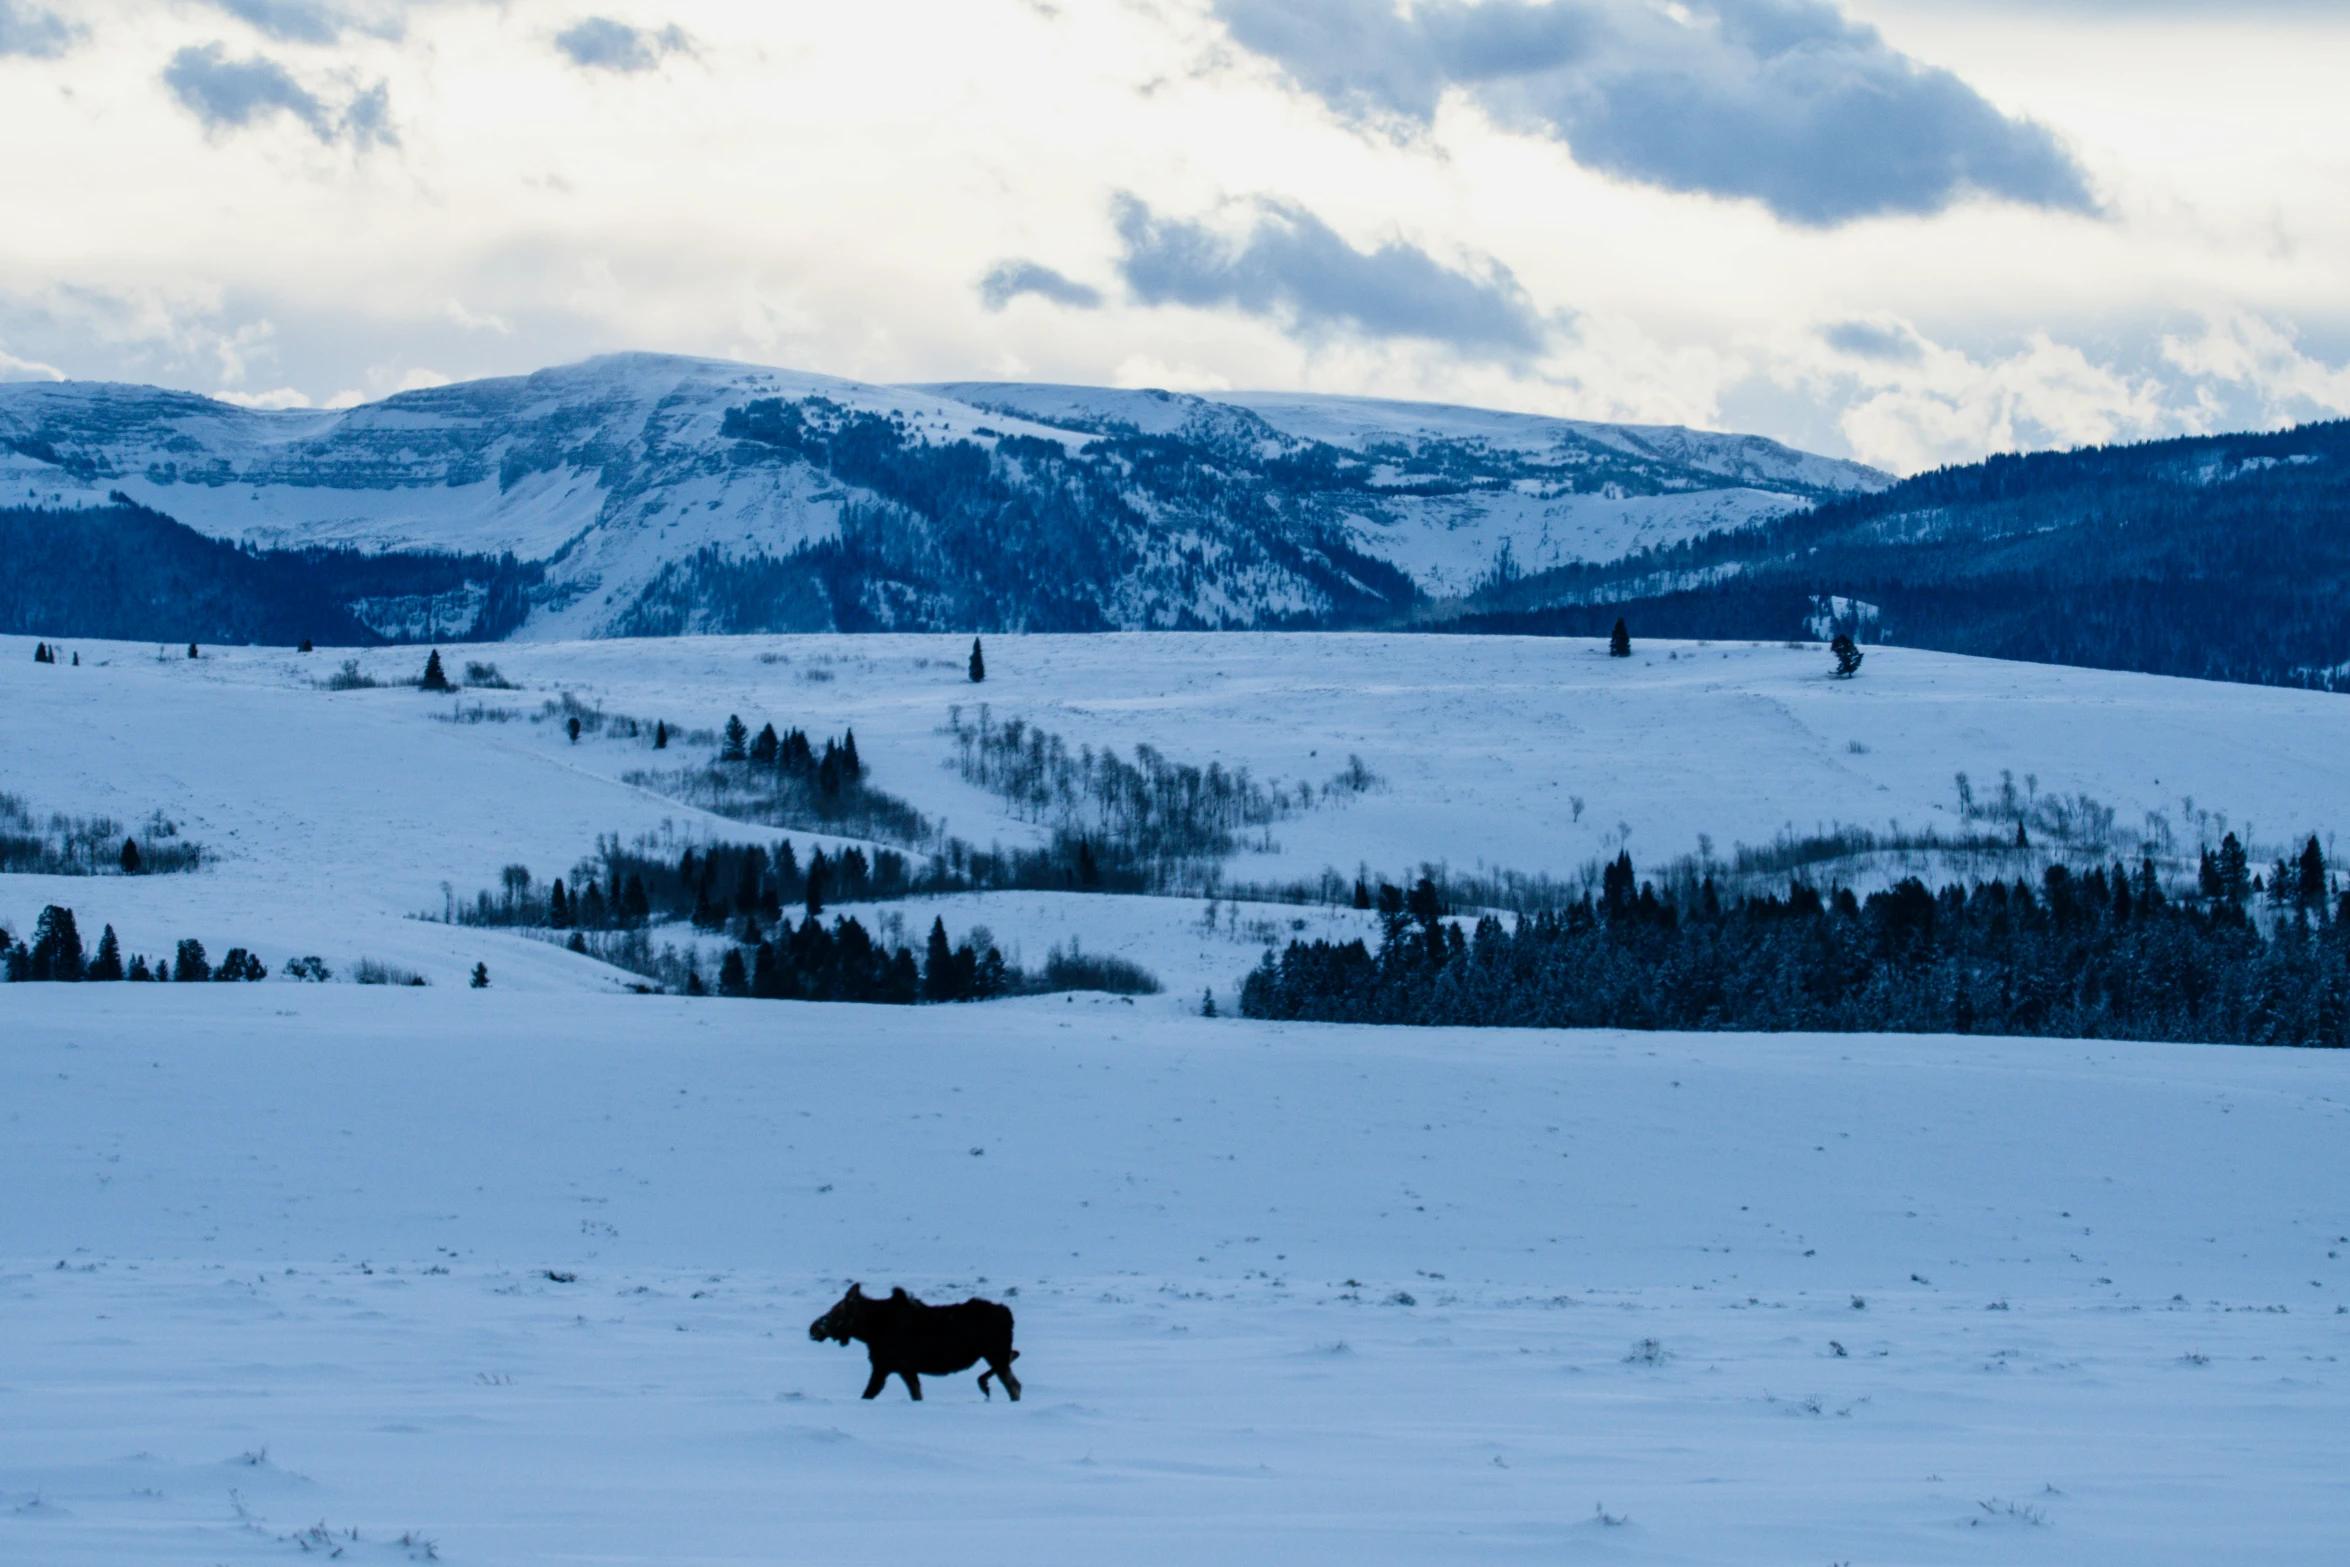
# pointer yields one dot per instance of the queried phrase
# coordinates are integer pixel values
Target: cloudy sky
(1910, 231)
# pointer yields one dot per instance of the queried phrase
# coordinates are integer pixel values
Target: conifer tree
(764, 748)
(813, 894)
(577, 943)
(138, 970)
(2310, 883)
(435, 678)
(305, 647)
(2234, 870)
(854, 768)
(732, 981)
(130, 858)
(938, 965)
(56, 952)
(40, 652)
(190, 964)
(635, 907)
(571, 728)
(1848, 656)
(558, 906)
(736, 738)
(660, 734)
(192, 650)
(978, 663)
(1362, 893)
(481, 976)
(108, 963)
(1089, 874)
(1207, 1003)
(1619, 641)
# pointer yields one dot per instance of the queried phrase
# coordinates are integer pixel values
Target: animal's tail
(1015, 1354)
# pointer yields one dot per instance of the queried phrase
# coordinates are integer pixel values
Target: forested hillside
(2221, 557)
(123, 571)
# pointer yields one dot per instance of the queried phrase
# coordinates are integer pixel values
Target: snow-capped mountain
(644, 493)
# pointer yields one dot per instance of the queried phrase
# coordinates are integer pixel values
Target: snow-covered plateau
(644, 494)
(523, 1274)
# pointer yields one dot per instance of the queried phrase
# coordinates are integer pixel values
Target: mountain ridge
(622, 477)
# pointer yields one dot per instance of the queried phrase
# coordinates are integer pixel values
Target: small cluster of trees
(43, 653)
(1149, 825)
(712, 885)
(2108, 953)
(62, 845)
(55, 955)
(808, 962)
(782, 779)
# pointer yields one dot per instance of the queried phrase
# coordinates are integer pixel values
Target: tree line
(55, 955)
(2108, 953)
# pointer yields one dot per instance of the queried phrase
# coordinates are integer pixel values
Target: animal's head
(841, 1322)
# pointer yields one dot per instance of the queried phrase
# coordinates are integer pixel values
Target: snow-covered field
(277, 1260)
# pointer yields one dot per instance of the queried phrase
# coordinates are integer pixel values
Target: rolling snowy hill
(337, 815)
(656, 501)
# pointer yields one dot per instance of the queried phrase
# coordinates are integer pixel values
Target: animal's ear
(856, 1291)
(899, 1293)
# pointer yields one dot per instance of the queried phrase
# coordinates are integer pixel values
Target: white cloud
(15, 369)
(283, 397)
(814, 191)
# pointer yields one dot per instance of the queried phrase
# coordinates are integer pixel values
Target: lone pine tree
(978, 664)
(1619, 641)
(435, 678)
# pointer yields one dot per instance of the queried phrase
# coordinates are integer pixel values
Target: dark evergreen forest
(2102, 955)
(124, 572)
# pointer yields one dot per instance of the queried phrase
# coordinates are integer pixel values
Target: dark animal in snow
(905, 1338)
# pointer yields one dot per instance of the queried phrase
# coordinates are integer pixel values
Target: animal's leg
(983, 1392)
(1003, 1368)
(873, 1388)
(913, 1385)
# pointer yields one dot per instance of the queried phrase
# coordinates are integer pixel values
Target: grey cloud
(1871, 340)
(1782, 101)
(228, 94)
(1008, 280)
(601, 44)
(1293, 268)
(309, 21)
(41, 34)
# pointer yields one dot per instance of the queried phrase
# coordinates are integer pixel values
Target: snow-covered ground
(278, 1260)
(336, 816)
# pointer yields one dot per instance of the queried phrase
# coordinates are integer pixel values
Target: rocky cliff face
(654, 494)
